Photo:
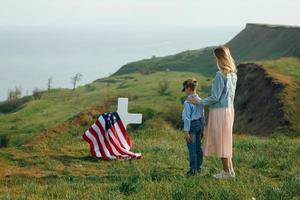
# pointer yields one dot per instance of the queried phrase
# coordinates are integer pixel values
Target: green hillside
(255, 42)
(191, 60)
(52, 161)
(43, 155)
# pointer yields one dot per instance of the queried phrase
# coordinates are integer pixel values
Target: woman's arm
(216, 91)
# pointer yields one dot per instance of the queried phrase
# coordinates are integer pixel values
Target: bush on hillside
(13, 105)
(145, 70)
(163, 87)
(4, 139)
(148, 113)
(37, 94)
(90, 88)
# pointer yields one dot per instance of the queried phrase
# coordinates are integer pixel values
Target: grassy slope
(192, 60)
(59, 105)
(58, 165)
(260, 42)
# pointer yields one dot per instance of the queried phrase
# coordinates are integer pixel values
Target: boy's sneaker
(191, 172)
(224, 175)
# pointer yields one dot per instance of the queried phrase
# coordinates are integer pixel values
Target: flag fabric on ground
(109, 139)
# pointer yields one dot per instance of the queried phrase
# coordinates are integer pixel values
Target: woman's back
(223, 91)
(227, 96)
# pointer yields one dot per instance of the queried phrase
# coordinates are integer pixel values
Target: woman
(218, 132)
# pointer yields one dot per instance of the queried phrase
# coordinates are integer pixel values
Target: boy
(193, 119)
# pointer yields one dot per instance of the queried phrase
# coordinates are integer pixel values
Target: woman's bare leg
(226, 164)
(231, 165)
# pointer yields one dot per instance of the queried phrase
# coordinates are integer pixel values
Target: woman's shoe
(232, 174)
(224, 175)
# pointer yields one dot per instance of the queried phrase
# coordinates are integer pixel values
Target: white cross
(127, 118)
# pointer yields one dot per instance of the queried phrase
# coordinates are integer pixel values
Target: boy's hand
(187, 137)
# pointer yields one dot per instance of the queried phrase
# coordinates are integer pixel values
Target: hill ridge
(254, 42)
(271, 25)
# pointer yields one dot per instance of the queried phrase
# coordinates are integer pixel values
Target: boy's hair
(190, 83)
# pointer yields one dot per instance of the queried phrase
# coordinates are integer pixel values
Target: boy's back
(191, 112)
(193, 118)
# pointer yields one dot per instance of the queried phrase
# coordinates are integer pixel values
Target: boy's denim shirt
(222, 91)
(192, 112)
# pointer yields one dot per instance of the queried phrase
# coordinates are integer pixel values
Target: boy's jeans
(194, 146)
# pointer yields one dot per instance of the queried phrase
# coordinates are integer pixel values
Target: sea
(31, 55)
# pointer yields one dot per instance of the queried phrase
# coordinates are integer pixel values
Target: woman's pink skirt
(218, 132)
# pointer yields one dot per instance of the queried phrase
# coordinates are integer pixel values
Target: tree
(14, 94)
(76, 79)
(50, 80)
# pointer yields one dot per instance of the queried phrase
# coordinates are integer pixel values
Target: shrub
(148, 113)
(90, 88)
(163, 87)
(4, 140)
(37, 94)
(145, 70)
(13, 105)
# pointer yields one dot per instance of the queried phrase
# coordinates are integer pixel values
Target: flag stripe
(111, 148)
(118, 134)
(116, 142)
(110, 142)
(92, 150)
(100, 146)
(113, 141)
(102, 141)
(96, 146)
(125, 151)
(125, 134)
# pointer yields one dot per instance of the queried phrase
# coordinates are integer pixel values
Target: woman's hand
(193, 100)
(187, 137)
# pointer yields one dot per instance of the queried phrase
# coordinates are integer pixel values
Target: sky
(147, 13)
(58, 38)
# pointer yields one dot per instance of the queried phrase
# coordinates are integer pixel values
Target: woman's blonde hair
(225, 61)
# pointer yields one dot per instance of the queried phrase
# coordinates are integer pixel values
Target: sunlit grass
(56, 164)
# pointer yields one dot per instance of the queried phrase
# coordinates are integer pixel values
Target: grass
(60, 168)
(58, 106)
(46, 158)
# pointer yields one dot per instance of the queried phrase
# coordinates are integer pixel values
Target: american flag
(109, 139)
